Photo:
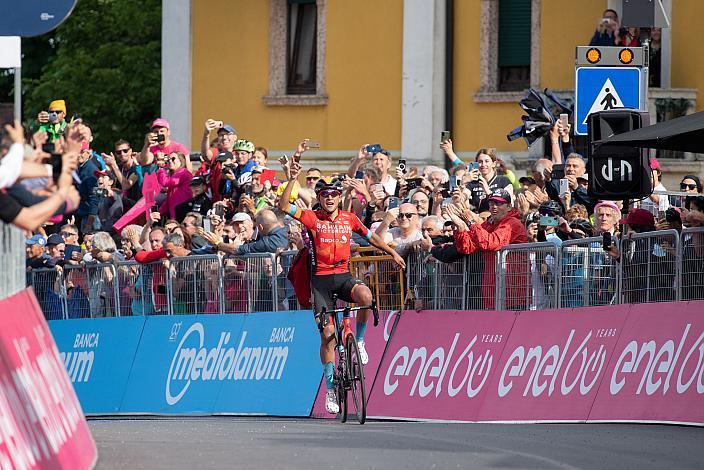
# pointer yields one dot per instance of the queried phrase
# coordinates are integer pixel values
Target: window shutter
(514, 33)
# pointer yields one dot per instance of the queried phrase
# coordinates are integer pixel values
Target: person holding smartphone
(484, 179)
(158, 143)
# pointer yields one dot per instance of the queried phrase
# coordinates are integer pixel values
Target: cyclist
(330, 231)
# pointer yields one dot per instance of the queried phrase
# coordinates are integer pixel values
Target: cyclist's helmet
(243, 145)
(551, 208)
(322, 184)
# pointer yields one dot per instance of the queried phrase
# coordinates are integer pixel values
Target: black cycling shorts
(324, 286)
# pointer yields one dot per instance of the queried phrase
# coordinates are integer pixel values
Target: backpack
(299, 276)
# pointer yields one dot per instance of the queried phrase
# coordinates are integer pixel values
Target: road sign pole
(18, 93)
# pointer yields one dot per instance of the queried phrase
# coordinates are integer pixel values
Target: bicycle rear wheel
(356, 376)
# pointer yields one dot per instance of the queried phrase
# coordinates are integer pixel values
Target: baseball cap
(197, 181)
(160, 122)
(640, 217)
(227, 128)
(224, 155)
(526, 180)
(54, 239)
(500, 195)
(97, 173)
(35, 240)
(241, 217)
(609, 204)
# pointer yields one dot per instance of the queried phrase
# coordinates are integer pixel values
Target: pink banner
(43, 424)
(438, 364)
(657, 370)
(552, 365)
(375, 342)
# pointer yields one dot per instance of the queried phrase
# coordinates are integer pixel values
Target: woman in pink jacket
(177, 182)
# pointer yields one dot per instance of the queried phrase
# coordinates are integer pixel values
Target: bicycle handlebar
(325, 314)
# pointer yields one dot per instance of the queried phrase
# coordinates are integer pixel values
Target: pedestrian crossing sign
(602, 88)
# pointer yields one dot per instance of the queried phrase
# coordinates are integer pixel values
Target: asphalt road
(270, 443)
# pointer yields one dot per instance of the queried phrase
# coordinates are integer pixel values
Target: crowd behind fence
(653, 267)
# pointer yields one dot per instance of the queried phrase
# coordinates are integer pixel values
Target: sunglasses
(329, 193)
(120, 151)
(408, 215)
(312, 178)
(55, 112)
(68, 234)
(688, 186)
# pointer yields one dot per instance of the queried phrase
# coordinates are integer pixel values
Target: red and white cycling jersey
(331, 239)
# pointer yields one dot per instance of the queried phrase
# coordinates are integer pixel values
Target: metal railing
(653, 267)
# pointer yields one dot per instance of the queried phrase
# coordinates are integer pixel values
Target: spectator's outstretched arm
(383, 227)
(555, 142)
(145, 157)
(446, 147)
(358, 161)
(284, 203)
(11, 164)
(266, 244)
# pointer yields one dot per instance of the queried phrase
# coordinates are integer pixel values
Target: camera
(160, 138)
(102, 192)
(228, 169)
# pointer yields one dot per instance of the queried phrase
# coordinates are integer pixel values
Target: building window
(509, 49)
(301, 50)
(514, 45)
(297, 53)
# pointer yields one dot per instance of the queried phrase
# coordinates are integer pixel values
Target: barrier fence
(657, 266)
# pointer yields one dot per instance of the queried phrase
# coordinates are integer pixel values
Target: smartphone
(219, 210)
(472, 166)
(313, 144)
(374, 148)
(393, 202)
(565, 119)
(558, 171)
(402, 165)
(548, 221)
(69, 250)
(207, 225)
(225, 238)
(359, 175)
(564, 187)
(453, 182)
(444, 135)
(606, 240)
(445, 192)
(377, 187)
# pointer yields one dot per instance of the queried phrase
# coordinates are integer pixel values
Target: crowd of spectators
(86, 207)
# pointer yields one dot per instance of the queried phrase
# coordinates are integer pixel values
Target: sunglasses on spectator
(688, 186)
(123, 150)
(329, 192)
(68, 234)
(55, 112)
(408, 215)
(312, 178)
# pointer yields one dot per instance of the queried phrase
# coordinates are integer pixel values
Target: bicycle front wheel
(342, 398)
(356, 376)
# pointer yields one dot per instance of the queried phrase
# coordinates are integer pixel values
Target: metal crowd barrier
(654, 267)
(12, 260)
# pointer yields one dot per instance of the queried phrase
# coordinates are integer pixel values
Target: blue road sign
(28, 18)
(602, 88)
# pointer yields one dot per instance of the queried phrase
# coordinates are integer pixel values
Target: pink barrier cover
(43, 424)
(375, 342)
(657, 370)
(552, 365)
(438, 364)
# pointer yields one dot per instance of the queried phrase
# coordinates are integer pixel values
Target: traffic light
(616, 172)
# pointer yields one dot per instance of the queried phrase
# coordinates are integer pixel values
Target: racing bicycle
(349, 374)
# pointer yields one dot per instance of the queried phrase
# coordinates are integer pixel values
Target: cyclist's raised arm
(284, 203)
(379, 243)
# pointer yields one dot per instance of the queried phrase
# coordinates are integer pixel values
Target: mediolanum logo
(79, 362)
(193, 362)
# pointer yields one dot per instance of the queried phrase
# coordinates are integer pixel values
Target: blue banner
(98, 353)
(259, 363)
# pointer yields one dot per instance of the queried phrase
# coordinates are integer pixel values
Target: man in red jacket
(504, 227)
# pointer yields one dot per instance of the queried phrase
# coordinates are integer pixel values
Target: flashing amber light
(593, 55)
(625, 56)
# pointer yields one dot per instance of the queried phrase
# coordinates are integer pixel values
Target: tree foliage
(105, 61)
